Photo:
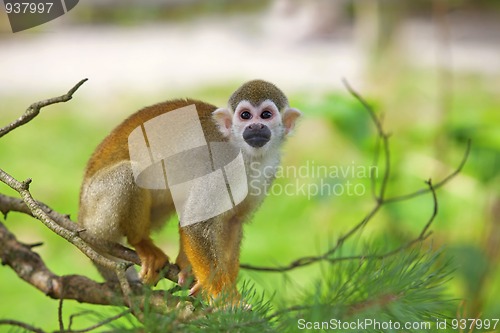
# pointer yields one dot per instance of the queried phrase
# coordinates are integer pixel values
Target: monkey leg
(212, 248)
(113, 206)
(136, 226)
(233, 231)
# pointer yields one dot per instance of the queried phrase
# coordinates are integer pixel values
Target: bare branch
(438, 184)
(60, 309)
(380, 200)
(25, 326)
(30, 267)
(34, 109)
(100, 324)
(20, 256)
(36, 210)
(326, 257)
(61, 225)
(11, 204)
(384, 137)
(127, 291)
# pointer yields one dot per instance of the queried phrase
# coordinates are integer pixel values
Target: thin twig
(373, 180)
(121, 273)
(100, 324)
(34, 109)
(382, 135)
(60, 306)
(74, 315)
(438, 184)
(422, 236)
(380, 200)
(25, 326)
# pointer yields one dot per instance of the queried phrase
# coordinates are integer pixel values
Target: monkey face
(257, 125)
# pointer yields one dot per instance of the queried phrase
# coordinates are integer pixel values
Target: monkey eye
(266, 114)
(245, 115)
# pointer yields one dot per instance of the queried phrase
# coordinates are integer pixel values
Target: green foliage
(407, 288)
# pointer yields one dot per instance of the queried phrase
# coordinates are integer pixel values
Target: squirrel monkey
(113, 206)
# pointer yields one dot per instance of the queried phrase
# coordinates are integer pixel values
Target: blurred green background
(432, 68)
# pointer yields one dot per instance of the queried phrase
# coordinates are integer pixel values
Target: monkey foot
(184, 277)
(195, 289)
(152, 261)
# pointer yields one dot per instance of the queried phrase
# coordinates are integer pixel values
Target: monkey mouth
(257, 136)
(257, 141)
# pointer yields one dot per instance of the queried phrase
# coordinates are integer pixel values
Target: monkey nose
(256, 126)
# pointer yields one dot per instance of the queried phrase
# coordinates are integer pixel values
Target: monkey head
(257, 117)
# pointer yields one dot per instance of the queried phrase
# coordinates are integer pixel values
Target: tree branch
(100, 324)
(73, 237)
(11, 204)
(61, 224)
(34, 109)
(439, 184)
(30, 267)
(27, 327)
(66, 287)
(380, 200)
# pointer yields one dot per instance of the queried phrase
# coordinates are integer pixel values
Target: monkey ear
(289, 117)
(224, 119)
